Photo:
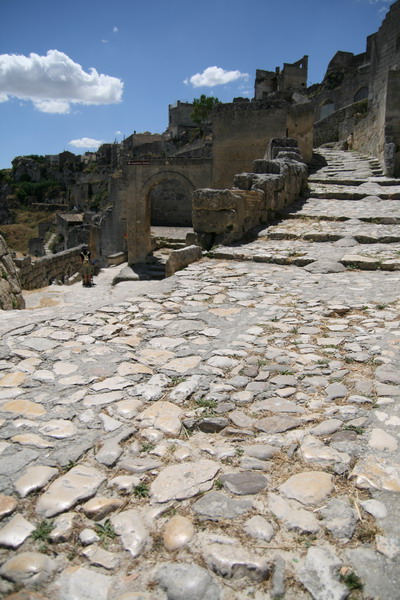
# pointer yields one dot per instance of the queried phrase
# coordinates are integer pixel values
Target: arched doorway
(168, 196)
(171, 203)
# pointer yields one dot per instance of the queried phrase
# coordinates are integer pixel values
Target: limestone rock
(216, 505)
(15, 532)
(129, 524)
(309, 487)
(339, 518)
(234, 562)
(98, 508)
(28, 568)
(319, 575)
(244, 483)
(259, 528)
(100, 557)
(277, 424)
(378, 473)
(293, 515)
(7, 505)
(77, 583)
(63, 527)
(183, 481)
(314, 451)
(162, 415)
(178, 532)
(34, 478)
(79, 483)
(182, 581)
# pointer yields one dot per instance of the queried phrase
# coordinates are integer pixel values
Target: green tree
(202, 108)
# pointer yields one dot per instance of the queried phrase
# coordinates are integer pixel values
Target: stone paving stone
(80, 582)
(235, 562)
(28, 568)
(183, 481)
(141, 391)
(216, 505)
(15, 532)
(178, 532)
(182, 581)
(309, 487)
(35, 478)
(79, 483)
(319, 574)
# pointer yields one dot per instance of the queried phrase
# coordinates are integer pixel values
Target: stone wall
(242, 131)
(340, 124)
(41, 272)
(10, 286)
(224, 216)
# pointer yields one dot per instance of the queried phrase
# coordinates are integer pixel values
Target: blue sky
(85, 70)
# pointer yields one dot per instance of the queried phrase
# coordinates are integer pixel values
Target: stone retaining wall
(340, 124)
(224, 216)
(41, 272)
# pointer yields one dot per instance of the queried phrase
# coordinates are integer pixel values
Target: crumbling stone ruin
(113, 196)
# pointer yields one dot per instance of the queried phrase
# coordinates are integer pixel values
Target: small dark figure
(86, 267)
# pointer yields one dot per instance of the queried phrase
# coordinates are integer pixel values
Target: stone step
(376, 211)
(331, 231)
(301, 253)
(357, 192)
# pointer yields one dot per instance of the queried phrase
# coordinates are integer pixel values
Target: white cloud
(214, 76)
(115, 29)
(54, 82)
(86, 143)
(104, 41)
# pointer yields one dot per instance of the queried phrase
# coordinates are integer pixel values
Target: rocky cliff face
(10, 288)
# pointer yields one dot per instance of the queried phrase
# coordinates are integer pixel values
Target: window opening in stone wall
(361, 94)
(326, 109)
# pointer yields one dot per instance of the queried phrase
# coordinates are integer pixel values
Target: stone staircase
(350, 220)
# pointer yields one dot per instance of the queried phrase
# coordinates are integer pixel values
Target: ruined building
(151, 178)
(360, 97)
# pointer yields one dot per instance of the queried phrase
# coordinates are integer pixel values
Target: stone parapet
(224, 216)
(43, 271)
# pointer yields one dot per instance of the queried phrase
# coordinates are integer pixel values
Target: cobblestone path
(229, 433)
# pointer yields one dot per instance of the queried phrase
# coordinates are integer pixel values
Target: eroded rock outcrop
(10, 288)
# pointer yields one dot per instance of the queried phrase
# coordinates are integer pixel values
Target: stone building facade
(243, 130)
(373, 76)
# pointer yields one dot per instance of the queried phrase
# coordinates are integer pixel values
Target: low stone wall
(10, 287)
(224, 216)
(179, 259)
(43, 271)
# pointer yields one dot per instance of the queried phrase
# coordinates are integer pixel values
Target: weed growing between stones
(42, 531)
(141, 490)
(351, 581)
(105, 531)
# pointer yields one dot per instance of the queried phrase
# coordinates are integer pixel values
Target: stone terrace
(229, 433)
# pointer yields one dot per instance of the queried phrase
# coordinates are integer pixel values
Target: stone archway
(168, 196)
(171, 203)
